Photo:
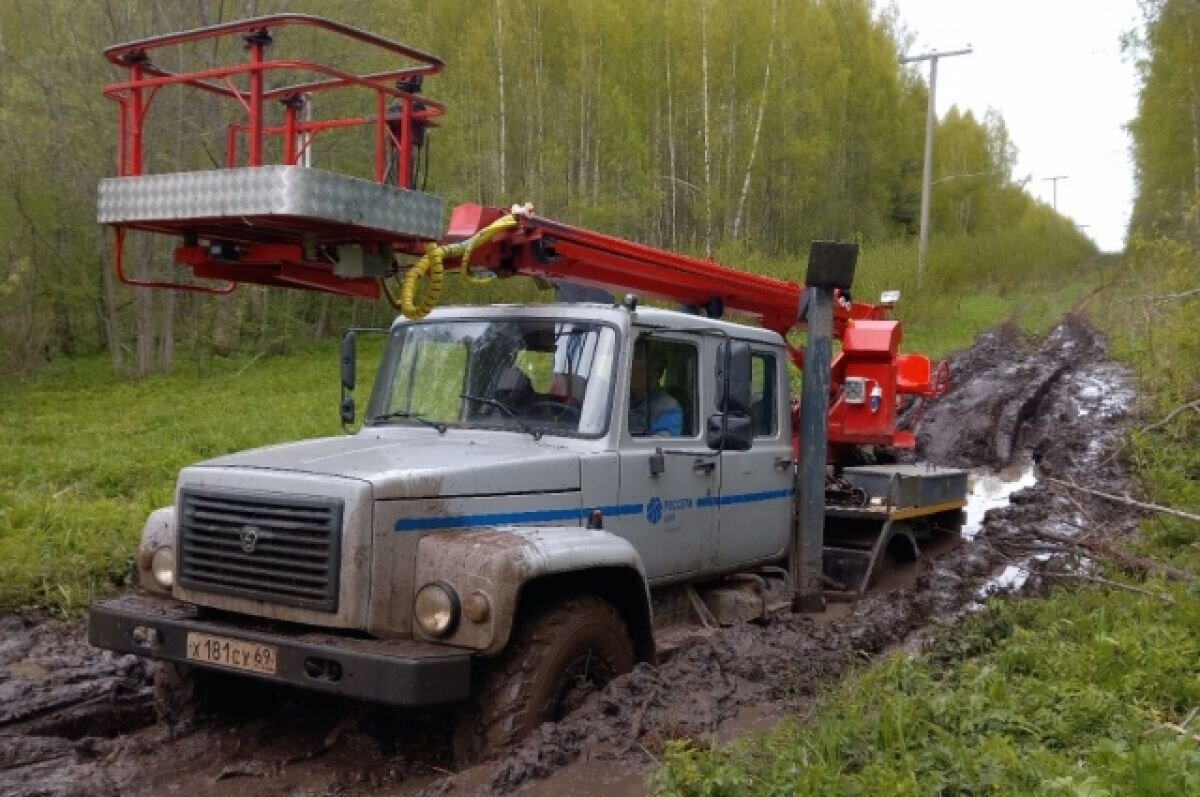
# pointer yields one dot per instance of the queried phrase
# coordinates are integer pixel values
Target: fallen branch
(1181, 728)
(1171, 297)
(1126, 500)
(1172, 415)
(1110, 583)
(242, 370)
(639, 717)
(1103, 550)
(1191, 405)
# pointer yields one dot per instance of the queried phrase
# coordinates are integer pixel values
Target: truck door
(670, 515)
(756, 485)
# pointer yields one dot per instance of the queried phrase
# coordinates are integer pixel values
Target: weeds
(1070, 695)
(87, 456)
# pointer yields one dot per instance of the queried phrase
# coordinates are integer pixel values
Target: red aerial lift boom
(289, 225)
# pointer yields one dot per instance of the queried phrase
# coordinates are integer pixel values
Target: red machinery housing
(287, 225)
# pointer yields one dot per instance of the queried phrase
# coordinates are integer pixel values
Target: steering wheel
(555, 410)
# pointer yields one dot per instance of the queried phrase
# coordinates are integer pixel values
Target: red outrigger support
(277, 248)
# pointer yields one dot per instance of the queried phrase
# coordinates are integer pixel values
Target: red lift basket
(282, 224)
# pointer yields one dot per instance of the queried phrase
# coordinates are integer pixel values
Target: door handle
(704, 466)
(783, 463)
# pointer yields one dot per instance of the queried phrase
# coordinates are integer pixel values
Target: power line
(1054, 181)
(930, 119)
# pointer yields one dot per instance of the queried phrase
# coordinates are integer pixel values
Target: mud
(74, 720)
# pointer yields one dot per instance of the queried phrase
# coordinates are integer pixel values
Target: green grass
(86, 456)
(1065, 696)
(1160, 341)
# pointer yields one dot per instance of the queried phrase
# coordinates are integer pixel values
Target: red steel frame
(135, 95)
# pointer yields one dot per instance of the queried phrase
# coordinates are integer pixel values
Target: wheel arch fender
(622, 586)
(514, 566)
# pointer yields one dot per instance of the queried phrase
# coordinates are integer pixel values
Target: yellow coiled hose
(431, 267)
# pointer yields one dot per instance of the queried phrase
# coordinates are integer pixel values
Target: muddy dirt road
(74, 720)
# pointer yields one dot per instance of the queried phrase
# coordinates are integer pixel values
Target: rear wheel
(559, 655)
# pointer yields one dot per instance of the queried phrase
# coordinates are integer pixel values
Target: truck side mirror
(733, 377)
(732, 428)
(729, 432)
(349, 367)
(349, 357)
(349, 360)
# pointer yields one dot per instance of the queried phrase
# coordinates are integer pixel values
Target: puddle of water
(1102, 392)
(1011, 579)
(991, 490)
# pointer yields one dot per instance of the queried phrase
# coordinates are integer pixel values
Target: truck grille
(266, 547)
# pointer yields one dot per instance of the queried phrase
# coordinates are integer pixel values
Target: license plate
(233, 653)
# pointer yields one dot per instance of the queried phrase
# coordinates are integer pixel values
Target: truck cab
(511, 459)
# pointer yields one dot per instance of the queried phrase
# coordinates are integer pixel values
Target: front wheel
(183, 694)
(560, 654)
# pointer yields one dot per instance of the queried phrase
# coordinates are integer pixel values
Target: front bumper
(398, 672)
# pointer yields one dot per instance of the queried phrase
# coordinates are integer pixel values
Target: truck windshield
(545, 376)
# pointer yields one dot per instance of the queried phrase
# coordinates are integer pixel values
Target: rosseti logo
(654, 510)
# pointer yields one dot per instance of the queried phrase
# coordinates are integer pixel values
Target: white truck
(500, 528)
(536, 493)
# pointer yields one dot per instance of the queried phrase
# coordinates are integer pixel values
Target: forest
(734, 130)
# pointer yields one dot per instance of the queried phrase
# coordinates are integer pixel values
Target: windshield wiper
(491, 402)
(415, 416)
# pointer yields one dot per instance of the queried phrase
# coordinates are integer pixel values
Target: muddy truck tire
(559, 654)
(177, 691)
(182, 694)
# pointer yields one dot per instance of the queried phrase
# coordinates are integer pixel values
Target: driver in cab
(652, 411)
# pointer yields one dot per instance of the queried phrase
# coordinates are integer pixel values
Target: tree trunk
(112, 327)
(167, 334)
(674, 177)
(503, 109)
(539, 146)
(224, 336)
(144, 307)
(708, 208)
(758, 123)
(322, 318)
(596, 133)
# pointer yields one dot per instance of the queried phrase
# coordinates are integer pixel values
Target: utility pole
(930, 120)
(1054, 181)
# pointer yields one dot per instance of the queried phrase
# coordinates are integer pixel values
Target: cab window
(663, 388)
(762, 389)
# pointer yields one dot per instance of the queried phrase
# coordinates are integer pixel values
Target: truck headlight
(436, 608)
(162, 567)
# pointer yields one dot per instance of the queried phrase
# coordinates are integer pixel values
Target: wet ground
(74, 720)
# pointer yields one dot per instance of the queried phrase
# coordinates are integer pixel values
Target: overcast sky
(1055, 71)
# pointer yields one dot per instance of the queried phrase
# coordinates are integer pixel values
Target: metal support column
(830, 266)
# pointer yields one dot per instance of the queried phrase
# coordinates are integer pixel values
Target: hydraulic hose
(431, 268)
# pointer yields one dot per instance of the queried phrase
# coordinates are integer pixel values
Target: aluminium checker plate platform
(255, 204)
